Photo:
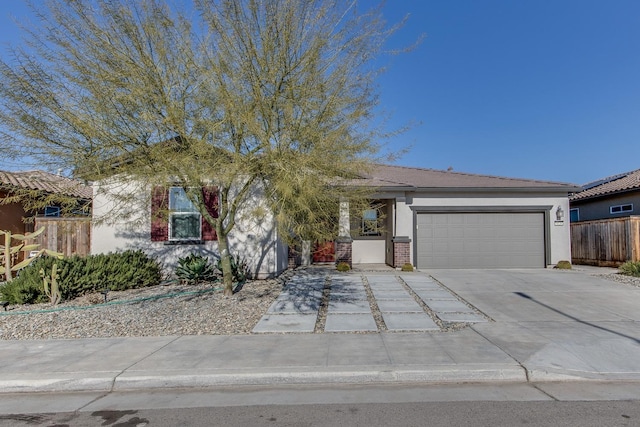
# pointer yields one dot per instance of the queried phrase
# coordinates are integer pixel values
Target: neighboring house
(12, 215)
(64, 231)
(605, 221)
(613, 197)
(428, 218)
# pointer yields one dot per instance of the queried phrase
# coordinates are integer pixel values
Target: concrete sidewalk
(205, 361)
(547, 326)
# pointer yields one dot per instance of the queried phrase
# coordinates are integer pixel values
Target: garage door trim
(544, 209)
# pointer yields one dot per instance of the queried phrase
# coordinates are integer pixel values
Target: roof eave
(605, 195)
(560, 189)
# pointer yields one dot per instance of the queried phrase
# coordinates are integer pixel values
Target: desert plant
(10, 249)
(17, 292)
(239, 269)
(407, 267)
(630, 268)
(343, 266)
(563, 265)
(195, 268)
(27, 287)
(82, 275)
(50, 281)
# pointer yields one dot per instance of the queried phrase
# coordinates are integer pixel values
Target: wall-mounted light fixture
(559, 214)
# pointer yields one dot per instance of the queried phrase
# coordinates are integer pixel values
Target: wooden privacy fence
(606, 242)
(70, 236)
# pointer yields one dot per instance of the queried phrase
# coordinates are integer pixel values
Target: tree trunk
(225, 261)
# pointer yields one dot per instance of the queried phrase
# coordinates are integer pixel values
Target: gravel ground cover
(621, 278)
(170, 309)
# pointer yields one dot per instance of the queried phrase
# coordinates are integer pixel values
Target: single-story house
(37, 204)
(616, 196)
(428, 218)
(12, 215)
(605, 221)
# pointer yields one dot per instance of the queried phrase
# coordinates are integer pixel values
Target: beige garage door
(480, 240)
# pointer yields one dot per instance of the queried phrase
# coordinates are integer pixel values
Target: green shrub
(343, 266)
(630, 268)
(407, 267)
(195, 268)
(563, 265)
(16, 292)
(81, 275)
(239, 269)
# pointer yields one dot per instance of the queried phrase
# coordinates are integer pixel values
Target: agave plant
(239, 269)
(195, 268)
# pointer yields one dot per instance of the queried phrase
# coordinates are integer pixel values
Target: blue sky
(541, 89)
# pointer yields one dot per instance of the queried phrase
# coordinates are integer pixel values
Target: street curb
(56, 385)
(161, 380)
(515, 374)
(560, 375)
(447, 374)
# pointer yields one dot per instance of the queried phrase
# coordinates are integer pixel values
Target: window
(574, 214)
(369, 226)
(52, 211)
(370, 221)
(184, 218)
(621, 208)
(82, 210)
(175, 219)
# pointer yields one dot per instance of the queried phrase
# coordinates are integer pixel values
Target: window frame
(364, 227)
(571, 211)
(620, 209)
(52, 212)
(173, 214)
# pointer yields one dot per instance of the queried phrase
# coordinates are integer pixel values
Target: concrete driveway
(557, 324)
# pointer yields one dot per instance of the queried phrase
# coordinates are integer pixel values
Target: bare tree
(278, 94)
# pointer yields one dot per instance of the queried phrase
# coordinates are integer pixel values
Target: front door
(324, 252)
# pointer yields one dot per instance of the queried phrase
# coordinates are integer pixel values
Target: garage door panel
(480, 240)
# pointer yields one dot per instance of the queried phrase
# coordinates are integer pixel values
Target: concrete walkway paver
(349, 309)
(296, 308)
(286, 322)
(350, 322)
(399, 306)
(396, 321)
(399, 310)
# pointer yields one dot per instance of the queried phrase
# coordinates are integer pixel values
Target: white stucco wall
(128, 226)
(559, 240)
(368, 251)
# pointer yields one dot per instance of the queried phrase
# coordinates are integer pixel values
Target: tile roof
(390, 176)
(610, 185)
(45, 181)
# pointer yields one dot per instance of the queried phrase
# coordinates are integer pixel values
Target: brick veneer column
(294, 257)
(401, 251)
(344, 250)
